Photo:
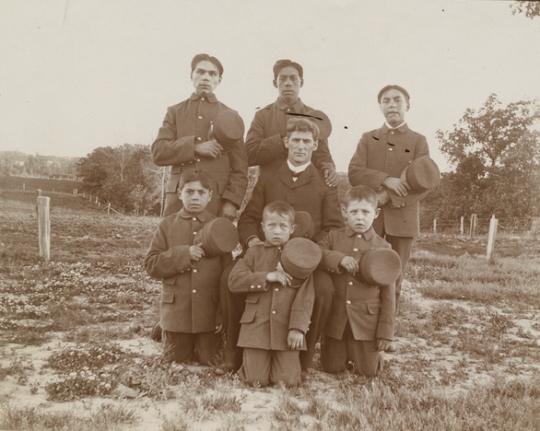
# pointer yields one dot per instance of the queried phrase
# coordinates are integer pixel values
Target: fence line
(463, 226)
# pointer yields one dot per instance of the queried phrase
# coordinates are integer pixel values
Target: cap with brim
(423, 174)
(379, 267)
(218, 236)
(304, 227)
(299, 258)
(228, 129)
(321, 120)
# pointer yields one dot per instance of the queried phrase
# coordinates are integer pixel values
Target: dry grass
(75, 350)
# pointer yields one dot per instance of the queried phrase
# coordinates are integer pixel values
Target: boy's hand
(331, 177)
(382, 344)
(228, 210)
(350, 264)
(398, 186)
(210, 148)
(219, 328)
(279, 277)
(295, 339)
(195, 252)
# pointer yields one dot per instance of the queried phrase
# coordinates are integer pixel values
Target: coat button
(194, 271)
(194, 233)
(194, 219)
(390, 149)
(276, 289)
(252, 287)
(350, 283)
(348, 302)
(199, 138)
(273, 311)
(355, 249)
(202, 98)
(199, 117)
(258, 286)
(194, 290)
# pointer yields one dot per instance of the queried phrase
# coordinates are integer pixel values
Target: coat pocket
(251, 309)
(373, 308)
(167, 297)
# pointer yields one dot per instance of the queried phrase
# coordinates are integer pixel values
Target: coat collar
(367, 235)
(202, 216)
(297, 107)
(285, 175)
(402, 128)
(210, 97)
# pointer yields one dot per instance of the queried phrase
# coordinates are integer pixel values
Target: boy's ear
(209, 195)
(377, 212)
(293, 227)
(344, 212)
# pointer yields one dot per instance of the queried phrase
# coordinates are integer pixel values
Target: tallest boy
(184, 143)
(265, 141)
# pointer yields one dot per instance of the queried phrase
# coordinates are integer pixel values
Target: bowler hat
(218, 236)
(321, 120)
(304, 227)
(422, 174)
(228, 129)
(379, 267)
(299, 258)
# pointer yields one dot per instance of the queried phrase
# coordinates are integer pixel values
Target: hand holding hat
(217, 237)
(227, 129)
(379, 267)
(422, 174)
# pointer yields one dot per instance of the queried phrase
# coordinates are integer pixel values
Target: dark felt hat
(218, 236)
(379, 267)
(423, 174)
(228, 129)
(304, 225)
(320, 119)
(299, 258)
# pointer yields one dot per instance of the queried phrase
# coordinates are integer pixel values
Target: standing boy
(381, 156)
(190, 312)
(361, 322)
(277, 313)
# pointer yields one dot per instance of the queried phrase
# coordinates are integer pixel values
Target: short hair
(280, 207)
(296, 124)
(205, 57)
(193, 175)
(393, 87)
(281, 64)
(360, 193)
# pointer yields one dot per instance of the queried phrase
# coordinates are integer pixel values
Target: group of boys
(271, 319)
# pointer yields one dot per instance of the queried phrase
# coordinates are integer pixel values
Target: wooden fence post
(44, 227)
(74, 192)
(434, 225)
(109, 208)
(461, 225)
(491, 237)
(473, 225)
(24, 187)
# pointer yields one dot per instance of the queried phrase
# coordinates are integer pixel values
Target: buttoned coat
(369, 309)
(185, 125)
(190, 290)
(271, 309)
(264, 138)
(309, 193)
(382, 153)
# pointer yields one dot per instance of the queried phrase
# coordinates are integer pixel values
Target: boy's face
(277, 228)
(360, 215)
(195, 197)
(394, 105)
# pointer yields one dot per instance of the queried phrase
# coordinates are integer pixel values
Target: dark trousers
(270, 366)
(336, 354)
(402, 246)
(233, 305)
(182, 347)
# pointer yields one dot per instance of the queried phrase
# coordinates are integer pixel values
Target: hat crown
(423, 174)
(379, 266)
(219, 236)
(228, 128)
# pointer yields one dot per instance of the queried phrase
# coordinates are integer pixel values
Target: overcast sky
(80, 74)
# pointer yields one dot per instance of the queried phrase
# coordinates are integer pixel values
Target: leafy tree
(531, 9)
(496, 155)
(121, 176)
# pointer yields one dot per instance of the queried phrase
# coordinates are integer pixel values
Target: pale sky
(76, 75)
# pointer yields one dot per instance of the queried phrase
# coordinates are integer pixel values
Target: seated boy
(277, 312)
(190, 312)
(361, 322)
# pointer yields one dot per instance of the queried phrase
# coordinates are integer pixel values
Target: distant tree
(531, 9)
(496, 156)
(121, 176)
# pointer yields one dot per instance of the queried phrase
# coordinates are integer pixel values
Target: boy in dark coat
(277, 313)
(190, 309)
(361, 322)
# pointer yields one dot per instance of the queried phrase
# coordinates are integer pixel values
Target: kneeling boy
(361, 322)
(278, 310)
(190, 312)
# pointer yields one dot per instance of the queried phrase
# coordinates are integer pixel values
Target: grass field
(45, 184)
(75, 352)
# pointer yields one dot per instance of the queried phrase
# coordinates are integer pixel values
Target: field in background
(75, 351)
(45, 184)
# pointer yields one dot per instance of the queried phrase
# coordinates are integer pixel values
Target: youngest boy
(361, 322)
(190, 312)
(278, 311)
